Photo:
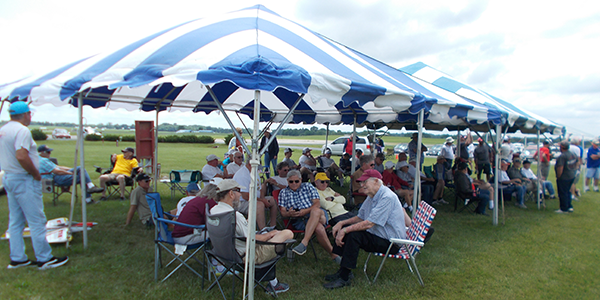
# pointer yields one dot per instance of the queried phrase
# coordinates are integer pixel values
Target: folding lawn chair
(178, 180)
(221, 229)
(164, 241)
(288, 224)
(49, 186)
(411, 246)
(112, 186)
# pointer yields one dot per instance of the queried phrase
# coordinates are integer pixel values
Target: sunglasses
(323, 181)
(284, 170)
(146, 180)
(294, 181)
(235, 190)
(372, 165)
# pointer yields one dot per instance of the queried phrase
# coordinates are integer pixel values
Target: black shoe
(54, 262)
(18, 264)
(95, 189)
(338, 283)
(336, 275)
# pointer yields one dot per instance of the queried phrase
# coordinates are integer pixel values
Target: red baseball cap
(368, 174)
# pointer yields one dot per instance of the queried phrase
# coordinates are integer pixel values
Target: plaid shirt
(300, 199)
(46, 166)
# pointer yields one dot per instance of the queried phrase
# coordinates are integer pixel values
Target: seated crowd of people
(382, 191)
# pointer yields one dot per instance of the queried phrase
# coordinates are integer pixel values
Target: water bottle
(290, 255)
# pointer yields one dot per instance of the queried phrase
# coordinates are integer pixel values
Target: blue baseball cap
(192, 188)
(19, 107)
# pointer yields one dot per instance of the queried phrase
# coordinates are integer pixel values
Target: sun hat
(322, 176)
(227, 184)
(19, 107)
(143, 176)
(128, 149)
(44, 148)
(389, 164)
(402, 164)
(449, 140)
(215, 180)
(211, 157)
(192, 188)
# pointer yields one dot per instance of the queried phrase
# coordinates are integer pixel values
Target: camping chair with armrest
(179, 177)
(409, 247)
(221, 228)
(51, 187)
(163, 239)
(112, 186)
(288, 223)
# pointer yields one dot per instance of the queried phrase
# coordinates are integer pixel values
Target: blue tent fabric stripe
(511, 114)
(171, 70)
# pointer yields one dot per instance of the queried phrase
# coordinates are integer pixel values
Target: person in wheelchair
(124, 166)
(465, 189)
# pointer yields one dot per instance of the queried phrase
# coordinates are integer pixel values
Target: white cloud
(539, 55)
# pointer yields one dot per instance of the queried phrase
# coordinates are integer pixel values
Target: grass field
(535, 255)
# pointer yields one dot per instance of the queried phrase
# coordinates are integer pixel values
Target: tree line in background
(314, 130)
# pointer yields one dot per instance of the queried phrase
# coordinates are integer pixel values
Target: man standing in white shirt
(20, 162)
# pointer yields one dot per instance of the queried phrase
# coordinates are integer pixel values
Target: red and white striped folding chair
(412, 245)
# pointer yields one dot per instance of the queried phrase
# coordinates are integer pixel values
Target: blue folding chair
(163, 238)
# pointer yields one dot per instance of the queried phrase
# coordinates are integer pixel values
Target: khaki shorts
(113, 176)
(263, 254)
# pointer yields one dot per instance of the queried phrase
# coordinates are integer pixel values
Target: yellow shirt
(124, 166)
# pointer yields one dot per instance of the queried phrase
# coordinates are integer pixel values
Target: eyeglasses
(293, 181)
(235, 190)
(284, 170)
(146, 180)
(372, 165)
(323, 181)
(237, 157)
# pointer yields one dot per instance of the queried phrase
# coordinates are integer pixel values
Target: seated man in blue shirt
(380, 218)
(301, 200)
(63, 176)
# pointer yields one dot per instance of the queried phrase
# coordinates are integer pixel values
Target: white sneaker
(586, 189)
(491, 204)
(596, 189)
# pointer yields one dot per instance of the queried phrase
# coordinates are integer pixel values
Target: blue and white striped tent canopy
(243, 51)
(515, 117)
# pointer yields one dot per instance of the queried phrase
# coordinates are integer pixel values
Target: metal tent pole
(73, 185)
(538, 172)
(155, 156)
(251, 241)
(496, 174)
(417, 183)
(81, 172)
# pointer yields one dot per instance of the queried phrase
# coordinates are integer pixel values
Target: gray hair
(294, 173)
(365, 159)
(209, 191)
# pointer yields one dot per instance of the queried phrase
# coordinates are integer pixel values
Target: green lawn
(535, 255)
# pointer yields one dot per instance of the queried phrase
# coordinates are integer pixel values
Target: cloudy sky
(539, 55)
